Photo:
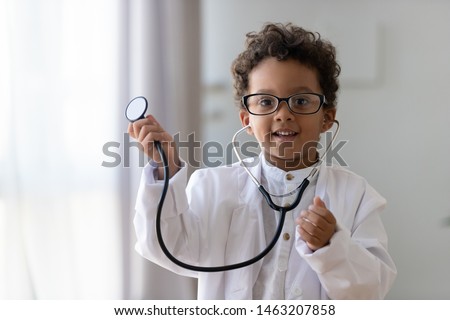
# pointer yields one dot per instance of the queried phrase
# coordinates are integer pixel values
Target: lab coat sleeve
(355, 264)
(175, 227)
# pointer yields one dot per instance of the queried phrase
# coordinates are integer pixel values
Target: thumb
(153, 119)
(318, 202)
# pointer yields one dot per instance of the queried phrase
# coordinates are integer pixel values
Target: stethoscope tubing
(282, 210)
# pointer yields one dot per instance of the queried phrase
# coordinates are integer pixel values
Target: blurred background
(69, 173)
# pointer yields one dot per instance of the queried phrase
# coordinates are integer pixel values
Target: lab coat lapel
(321, 188)
(247, 218)
(335, 194)
(330, 193)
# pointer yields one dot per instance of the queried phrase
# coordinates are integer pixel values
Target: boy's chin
(288, 162)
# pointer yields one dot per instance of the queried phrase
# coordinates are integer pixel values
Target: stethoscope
(136, 110)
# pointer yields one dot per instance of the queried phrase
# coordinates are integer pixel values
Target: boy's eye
(301, 101)
(266, 102)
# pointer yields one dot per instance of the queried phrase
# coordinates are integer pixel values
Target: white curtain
(66, 74)
(164, 64)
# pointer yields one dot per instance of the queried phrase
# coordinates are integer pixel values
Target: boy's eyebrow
(295, 90)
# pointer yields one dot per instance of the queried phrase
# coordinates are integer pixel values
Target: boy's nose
(283, 113)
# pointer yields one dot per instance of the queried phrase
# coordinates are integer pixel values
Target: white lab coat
(216, 220)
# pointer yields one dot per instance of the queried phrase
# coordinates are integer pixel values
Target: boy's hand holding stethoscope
(147, 130)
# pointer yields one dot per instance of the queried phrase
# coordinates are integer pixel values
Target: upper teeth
(285, 133)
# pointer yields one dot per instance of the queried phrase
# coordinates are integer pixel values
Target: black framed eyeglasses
(300, 103)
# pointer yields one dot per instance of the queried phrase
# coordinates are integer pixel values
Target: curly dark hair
(288, 42)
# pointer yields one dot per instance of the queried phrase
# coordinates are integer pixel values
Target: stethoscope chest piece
(136, 109)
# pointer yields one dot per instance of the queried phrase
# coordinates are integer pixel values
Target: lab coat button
(298, 291)
(286, 236)
(289, 177)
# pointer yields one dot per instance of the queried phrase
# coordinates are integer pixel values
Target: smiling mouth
(284, 134)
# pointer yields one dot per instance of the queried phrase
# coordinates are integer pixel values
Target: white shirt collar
(277, 175)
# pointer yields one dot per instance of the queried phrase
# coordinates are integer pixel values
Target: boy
(333, 245)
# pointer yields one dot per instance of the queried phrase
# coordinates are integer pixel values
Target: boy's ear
(245, 120)
(328, 119)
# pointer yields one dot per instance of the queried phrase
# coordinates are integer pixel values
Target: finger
(318, 202)
(145, 130)
(137, 125)
(304, 217)
(314, 237)
(321, 212)
(153, 119)
(318, 206)
(311, 227)
(307, 235)
(316, 220)
(311, 217)
(148, 139)
(131, 130)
